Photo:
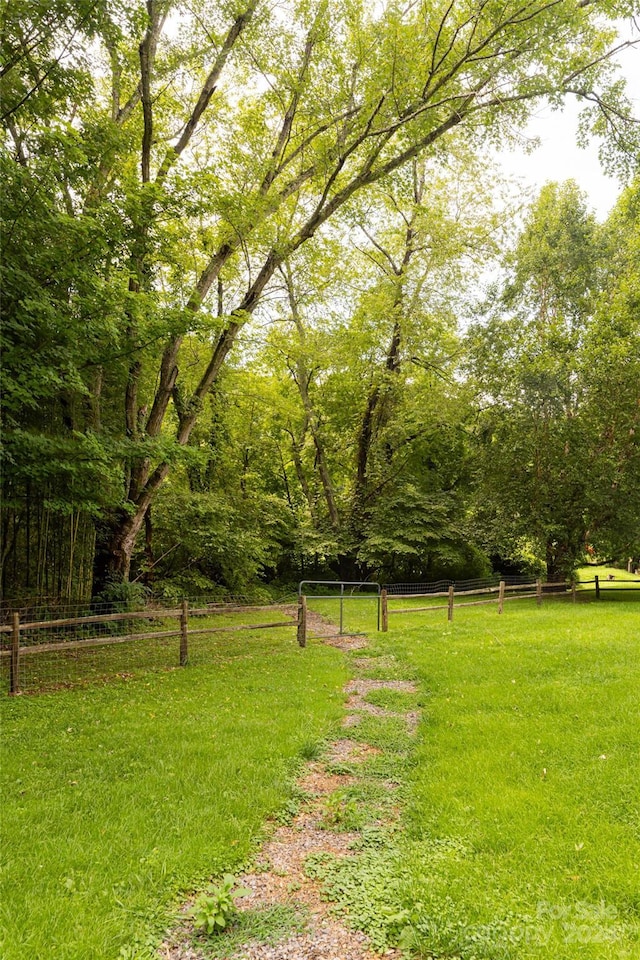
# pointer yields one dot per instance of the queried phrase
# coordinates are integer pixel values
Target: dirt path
(279, 877)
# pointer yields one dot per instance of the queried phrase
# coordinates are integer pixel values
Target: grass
(615, 583)
(519, 800)
(520, 837)
(593, 570)
(394, 700)
(118, 798)
(266, 925)
(359, 610)
(531, 766)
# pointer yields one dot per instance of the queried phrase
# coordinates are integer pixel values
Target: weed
(312, 749)
(136, 951)
(291, 807)
(340, 810)
(287, 813)
(342, 769)
(366, 888)
(316, 864)
(214, 908)
(373, 836)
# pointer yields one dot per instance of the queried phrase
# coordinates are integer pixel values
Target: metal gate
(351, 586)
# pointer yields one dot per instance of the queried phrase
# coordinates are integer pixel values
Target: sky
(559, 158)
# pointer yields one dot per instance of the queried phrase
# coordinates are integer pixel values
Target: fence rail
(609, 585)
(536, 591)
(62, 640)
(17, 647)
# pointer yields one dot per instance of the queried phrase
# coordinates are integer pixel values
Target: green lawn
(521, 836)
(592, 570)
(117, 797)
(520, 798)
(615, 584)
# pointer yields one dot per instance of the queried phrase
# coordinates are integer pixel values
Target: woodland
(271, 311)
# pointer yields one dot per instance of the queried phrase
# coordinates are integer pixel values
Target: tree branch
(208, 89)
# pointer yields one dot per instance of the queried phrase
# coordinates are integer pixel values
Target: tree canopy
(235, 242)
(553, 444)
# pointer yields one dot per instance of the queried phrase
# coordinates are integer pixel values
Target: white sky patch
(559, 157)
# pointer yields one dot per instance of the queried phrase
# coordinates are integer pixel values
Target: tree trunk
(111, 562)
(296, 448)
(148, 548)
(349, 568)
(556, 560)
(374, 407)
(302, 378)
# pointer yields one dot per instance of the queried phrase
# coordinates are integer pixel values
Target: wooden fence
(18, 642)
(519, 592)
(17, 650)
(609, 585)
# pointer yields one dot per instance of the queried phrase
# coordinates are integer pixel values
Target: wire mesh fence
(470, 594)
(47, 645)
(60, 649)
(441, 586)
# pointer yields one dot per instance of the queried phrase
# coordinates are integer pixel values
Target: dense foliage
(558, 363)
(237, 242)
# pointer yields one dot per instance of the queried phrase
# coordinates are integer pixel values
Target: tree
(205, 146)
(378, 429)
(610, 371)
(222, 520)
(60, 310)
(551, 452)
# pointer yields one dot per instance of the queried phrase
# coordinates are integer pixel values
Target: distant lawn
(610, 579)
(521, 837)
(592, 570)
(615, 584)
(116, 797)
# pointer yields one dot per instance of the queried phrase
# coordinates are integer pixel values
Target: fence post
(302, 620)
(597, 587)
(14, 668)
(184, 633)
(385, 611)
(573, 591)
(450, 606)
(538, 592)
(501, 596)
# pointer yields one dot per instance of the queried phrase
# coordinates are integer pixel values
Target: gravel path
(279, 876)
